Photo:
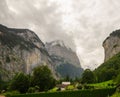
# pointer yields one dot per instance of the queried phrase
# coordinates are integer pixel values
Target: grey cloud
(91, 22)
(46, 19)
(97, 19)
(4, 13)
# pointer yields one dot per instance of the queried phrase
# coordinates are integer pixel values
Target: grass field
(106, 84)
(82, 93)
(116, 95)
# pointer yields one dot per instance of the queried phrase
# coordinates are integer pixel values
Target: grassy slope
(108, 69)
(116, 95)
(103, 84)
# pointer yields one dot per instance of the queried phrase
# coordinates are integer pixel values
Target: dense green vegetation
(108, 70)
(82, 93)
(117, 94)
(88, 76)
(106, 84)
(40, 80)
(20, 82)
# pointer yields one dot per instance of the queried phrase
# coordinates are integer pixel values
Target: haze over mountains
(66, 60)
(22, 50)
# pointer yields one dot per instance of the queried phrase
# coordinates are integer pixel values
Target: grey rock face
(112, 45)
(66, 61)
(21, 50)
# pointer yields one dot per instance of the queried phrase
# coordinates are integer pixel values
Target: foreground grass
(81, 93)
(106, 84)
(116, 95)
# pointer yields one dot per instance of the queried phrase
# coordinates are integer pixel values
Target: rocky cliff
(66, 60)
(21, 50)
(112, 44)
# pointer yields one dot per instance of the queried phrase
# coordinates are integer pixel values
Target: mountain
(112, 44)
(21, 50)
(66, 60)
(111, 67)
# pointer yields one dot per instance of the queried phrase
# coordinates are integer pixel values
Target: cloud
(82, 24)
(41, 16)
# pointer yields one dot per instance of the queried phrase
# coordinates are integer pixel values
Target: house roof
(62, 86)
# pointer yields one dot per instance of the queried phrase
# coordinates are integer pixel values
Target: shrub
(88, 76)
(81, 93)
(43, 78)
(20, 82)
(70, 87)
(31, 90)
(79, 87)
(9, 94)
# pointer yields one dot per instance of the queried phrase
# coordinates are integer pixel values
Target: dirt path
(2, 96)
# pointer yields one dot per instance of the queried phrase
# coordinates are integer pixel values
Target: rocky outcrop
(112, 45)
(66, 60)
(21, 50)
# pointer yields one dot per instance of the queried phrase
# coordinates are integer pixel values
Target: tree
(67, 78)
(117, 79)
(43, 78)
(106, 74)
(20, 82)
(88, 76)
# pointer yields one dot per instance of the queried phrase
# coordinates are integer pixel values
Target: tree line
(40, 79)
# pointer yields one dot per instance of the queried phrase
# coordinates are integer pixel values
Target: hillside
(109, 69)
(111, 66)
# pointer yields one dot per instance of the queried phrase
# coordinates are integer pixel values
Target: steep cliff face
(112, 45)
(66, 61)
(21, 50)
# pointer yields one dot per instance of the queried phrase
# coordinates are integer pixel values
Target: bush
(81, 93)
(43, 78)
(70, 87)
(9, 94)
(88, 76)
(86, 87)
(79, 87)
(117, 80)
(20, 82)
(117, 94)
(31, 90)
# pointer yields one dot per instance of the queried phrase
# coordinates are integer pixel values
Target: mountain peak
(66, 60)
(112, 44)
(115, 33)
(57, 43)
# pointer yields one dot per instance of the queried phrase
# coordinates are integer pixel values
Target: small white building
(66, 83)
(63, 86)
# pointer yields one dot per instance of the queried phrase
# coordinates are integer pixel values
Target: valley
(30, 68)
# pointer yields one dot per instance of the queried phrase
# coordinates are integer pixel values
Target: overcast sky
(81, 24)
